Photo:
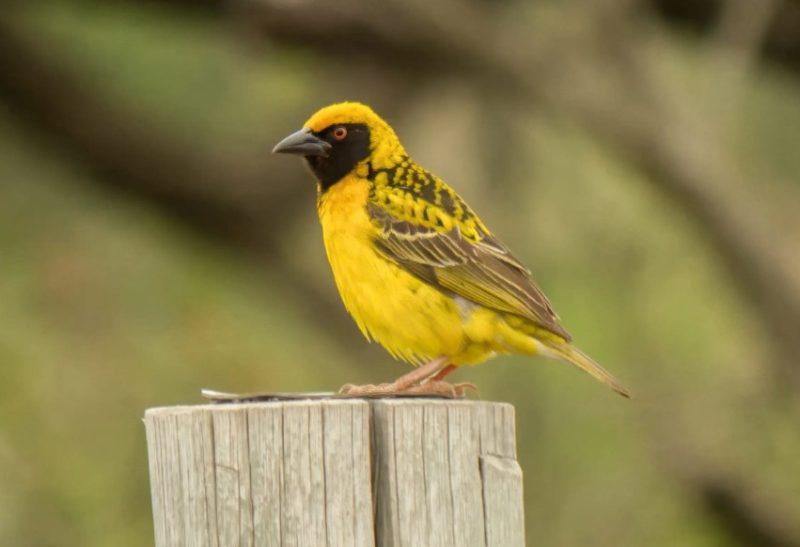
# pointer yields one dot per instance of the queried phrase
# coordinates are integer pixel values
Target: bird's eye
(340, 133)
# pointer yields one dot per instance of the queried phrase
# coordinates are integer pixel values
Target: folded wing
(483, 272)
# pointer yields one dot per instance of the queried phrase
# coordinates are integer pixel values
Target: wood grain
(336, 472)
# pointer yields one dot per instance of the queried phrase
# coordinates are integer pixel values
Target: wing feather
(484, 272)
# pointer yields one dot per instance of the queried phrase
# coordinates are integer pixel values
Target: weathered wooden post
(336, 472)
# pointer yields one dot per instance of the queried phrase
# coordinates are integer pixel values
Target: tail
(567, 352)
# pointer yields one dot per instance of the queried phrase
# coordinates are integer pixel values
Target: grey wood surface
(336, 472)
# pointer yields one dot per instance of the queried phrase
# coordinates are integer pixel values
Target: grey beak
(302, 143)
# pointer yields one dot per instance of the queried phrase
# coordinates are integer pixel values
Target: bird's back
(427, 228)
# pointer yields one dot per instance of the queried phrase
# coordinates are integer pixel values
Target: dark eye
(340, 133)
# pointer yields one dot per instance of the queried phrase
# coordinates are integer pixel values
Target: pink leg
(442, 373)
(423, 380)
(422, 372)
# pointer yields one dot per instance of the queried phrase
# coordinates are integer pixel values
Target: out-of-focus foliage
(110, 302)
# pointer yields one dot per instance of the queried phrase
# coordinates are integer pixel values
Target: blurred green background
(641, 156)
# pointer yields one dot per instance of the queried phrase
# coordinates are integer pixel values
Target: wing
(483, 272)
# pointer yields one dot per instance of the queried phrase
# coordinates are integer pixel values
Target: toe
(462, 388)
(368, 390)
(435, 388)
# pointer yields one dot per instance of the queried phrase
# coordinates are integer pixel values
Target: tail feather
(573, 355)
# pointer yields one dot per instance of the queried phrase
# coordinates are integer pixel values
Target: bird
(416, 268)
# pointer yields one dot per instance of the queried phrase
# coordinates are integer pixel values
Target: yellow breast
(411, 319)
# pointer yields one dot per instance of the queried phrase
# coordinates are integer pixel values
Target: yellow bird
(416, 268)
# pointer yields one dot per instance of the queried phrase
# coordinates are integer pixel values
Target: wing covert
(483, 272)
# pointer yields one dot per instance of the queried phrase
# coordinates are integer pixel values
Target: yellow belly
(411, 319)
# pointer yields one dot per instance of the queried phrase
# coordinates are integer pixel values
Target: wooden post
(336, 472)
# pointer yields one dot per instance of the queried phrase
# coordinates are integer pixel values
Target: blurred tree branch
(742, 514)
(221, 196)
(750, 515)
(736, 45)
(742, 29)
(779, 38)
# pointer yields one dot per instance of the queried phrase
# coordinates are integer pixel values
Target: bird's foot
(431, 388)
(440, 388)
(369, 390)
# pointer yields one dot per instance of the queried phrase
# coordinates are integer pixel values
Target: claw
(463, 387)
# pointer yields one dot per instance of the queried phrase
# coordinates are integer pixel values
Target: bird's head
(339, 139)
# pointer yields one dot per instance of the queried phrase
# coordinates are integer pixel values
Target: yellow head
(339, 138)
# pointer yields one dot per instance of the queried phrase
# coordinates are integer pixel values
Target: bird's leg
(410, 383)
(442, 373)
(421, 373)
(436, 383)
